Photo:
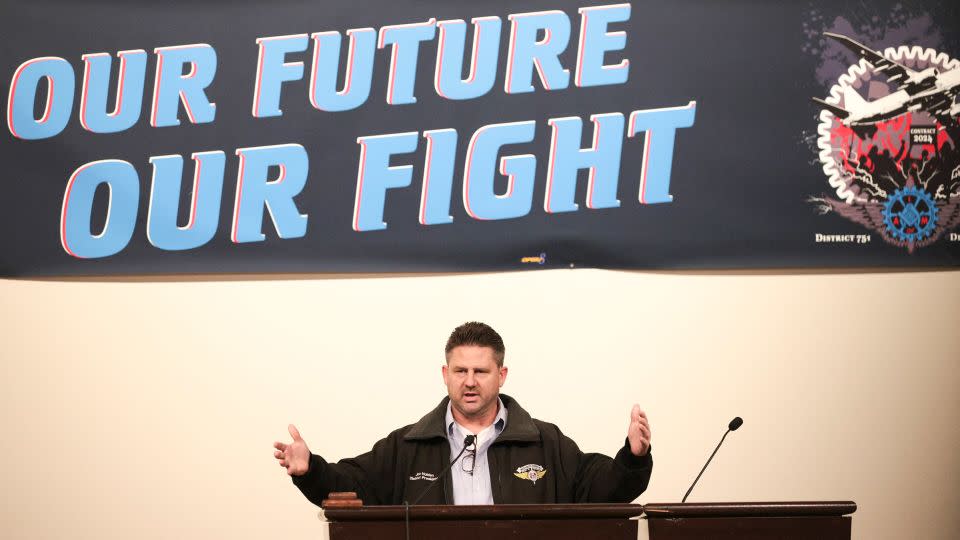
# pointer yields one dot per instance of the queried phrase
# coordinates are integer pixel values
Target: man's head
(474, 371)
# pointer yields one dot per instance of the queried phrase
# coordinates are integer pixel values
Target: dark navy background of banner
(741, 175)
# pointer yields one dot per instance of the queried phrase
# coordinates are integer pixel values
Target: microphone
(467, 442)
(732, 426)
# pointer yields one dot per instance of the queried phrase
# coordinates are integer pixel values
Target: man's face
(473, 381)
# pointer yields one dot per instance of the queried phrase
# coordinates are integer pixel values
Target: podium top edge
(487, 512)
(744, 509)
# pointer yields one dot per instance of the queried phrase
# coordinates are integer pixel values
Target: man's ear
(503, 375)
(443, 370)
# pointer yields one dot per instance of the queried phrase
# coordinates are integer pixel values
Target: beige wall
(147, 409)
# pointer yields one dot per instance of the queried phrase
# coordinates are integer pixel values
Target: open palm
(295, 456)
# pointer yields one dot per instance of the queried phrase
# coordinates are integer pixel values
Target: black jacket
(402, 465)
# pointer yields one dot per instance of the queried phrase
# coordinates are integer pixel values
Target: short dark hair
(479, 334)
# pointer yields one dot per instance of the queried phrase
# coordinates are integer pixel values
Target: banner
(375, 136)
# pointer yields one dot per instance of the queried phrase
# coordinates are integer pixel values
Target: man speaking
(503, 456)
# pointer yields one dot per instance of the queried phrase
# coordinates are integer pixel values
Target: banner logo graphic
(888, 137)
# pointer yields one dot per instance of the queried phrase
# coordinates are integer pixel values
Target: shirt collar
(499, 423)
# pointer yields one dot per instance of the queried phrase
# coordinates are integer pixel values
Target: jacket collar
(520, 427)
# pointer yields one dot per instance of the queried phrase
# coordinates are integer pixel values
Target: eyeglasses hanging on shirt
(469, 459)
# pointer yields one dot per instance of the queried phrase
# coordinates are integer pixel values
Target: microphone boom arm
(705, 466)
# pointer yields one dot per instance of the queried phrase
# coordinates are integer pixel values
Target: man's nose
(471, 379)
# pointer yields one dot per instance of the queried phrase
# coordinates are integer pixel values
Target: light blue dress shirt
(473, 488)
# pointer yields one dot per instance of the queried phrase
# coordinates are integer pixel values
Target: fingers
(644, 429)
(639, 431)
(637, 413)
(282, 460)
(281, 451)
(637, 416)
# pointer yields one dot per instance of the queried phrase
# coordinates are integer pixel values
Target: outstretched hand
(294, 457)
(638, 433)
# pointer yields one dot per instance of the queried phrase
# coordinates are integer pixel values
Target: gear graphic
(910, 214)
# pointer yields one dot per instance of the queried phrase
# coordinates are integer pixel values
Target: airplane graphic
(928, 91)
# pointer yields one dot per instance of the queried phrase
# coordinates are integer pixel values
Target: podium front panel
(751, 528)
(487, 529)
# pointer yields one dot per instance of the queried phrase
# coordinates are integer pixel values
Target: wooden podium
(349, 520)
(513, 521)
(750, 521)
